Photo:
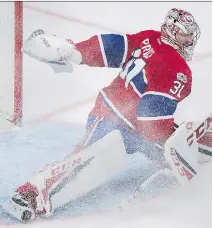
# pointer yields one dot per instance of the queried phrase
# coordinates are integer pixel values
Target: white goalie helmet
(181, 32)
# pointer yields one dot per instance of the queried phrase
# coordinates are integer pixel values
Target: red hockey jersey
(153, 79)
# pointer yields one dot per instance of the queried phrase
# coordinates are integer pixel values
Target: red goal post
(11, 82)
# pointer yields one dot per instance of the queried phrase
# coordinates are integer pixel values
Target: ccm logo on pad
(204, 126)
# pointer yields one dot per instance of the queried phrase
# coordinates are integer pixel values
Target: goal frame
(18, 63)
(11, 72)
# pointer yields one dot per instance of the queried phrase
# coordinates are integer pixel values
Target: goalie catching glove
(57, 52)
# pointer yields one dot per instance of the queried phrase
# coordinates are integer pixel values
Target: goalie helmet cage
(11, 39)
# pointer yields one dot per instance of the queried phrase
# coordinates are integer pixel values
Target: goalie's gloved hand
(59, 53)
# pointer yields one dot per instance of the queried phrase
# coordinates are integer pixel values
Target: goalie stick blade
(156, 184)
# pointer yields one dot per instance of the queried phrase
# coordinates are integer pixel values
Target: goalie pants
(98, 127)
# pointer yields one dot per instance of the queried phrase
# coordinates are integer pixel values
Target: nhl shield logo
(182, 77)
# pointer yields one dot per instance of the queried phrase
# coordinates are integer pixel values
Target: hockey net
(11, 36)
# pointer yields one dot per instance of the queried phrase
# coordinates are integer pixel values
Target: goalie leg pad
(181, 149)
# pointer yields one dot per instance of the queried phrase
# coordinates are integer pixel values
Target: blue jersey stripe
(139, 82)
(156, 105)
(114, 47)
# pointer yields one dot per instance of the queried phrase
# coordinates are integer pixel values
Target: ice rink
(55, 109)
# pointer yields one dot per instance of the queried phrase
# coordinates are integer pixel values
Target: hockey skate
(27, 204)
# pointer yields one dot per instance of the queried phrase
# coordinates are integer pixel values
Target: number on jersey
(177, 88)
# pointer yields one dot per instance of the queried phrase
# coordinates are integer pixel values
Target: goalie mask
(181, 32)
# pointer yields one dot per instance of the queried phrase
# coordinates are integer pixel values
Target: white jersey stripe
(90, 131)
(144, 76)
(102, 51)
(115, 110)
(159, 93)
(125, 50)
(155, 118)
